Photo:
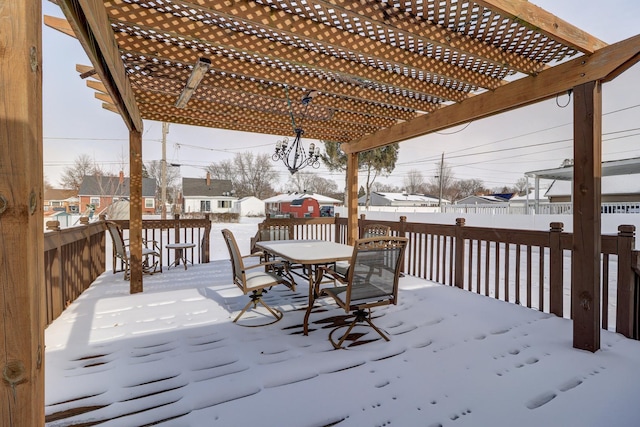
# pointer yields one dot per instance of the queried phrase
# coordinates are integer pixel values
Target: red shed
(302, 208)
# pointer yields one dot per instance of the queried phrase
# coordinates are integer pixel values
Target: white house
(207, 195)
(249, 206)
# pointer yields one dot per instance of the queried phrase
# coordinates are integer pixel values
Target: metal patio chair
(253, 282)
(371, 230)
(372, 281)
(151, 252)
(270, 232)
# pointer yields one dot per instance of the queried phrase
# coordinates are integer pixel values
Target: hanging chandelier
(293, 154)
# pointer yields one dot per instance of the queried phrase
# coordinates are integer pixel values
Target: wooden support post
(205, 256)
(135, 210)
(459, 254)
(555, 269)
(361, 225)
(587, 175)
(402, 232)
(626, 282)
(352, 198)
(22, 308)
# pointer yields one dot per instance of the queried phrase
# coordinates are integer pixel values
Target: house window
(56, 203)
(148, 203)
(224, 203)
(95, 201)
(205, 205)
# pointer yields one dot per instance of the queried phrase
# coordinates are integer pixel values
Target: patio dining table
(310, 254)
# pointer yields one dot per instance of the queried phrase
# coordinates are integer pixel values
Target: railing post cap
(556, 226)
(362, 216)
(403, 218)
(627, 229)
(460, 221)
(84, 220)
(53, 225)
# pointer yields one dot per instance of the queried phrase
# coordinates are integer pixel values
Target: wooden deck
(171, 356)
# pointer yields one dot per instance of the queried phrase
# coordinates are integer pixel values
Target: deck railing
(176, 230)
(74, 257)
(530, 268)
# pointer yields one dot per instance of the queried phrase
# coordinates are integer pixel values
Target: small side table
(180, 253)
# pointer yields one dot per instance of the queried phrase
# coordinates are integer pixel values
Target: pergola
(384, 72)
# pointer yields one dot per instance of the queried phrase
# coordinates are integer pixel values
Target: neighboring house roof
(193, 187)
(612, 184)
(60, 194)
(404, 197)
(472, 200)
(289, 197)
(111, 186)
(504, 196)
(612, 167)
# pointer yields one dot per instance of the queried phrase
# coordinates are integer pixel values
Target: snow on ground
(171, 356)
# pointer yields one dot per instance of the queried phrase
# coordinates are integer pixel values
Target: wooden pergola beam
(59, 24)
(549, 24)
(90, 24)
(599, 66)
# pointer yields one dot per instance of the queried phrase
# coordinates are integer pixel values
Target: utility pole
(441, 172)
(163, 172)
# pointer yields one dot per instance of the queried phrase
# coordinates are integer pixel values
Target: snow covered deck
(171, 356)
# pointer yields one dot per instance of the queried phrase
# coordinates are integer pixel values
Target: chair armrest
(262, 264)
(334, 274)
(154, 244)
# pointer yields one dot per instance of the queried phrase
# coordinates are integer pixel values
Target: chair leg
(360, 316)
(256, 298)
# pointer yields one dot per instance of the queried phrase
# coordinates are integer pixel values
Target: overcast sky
(498, 150)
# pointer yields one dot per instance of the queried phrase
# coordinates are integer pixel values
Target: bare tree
(443, 182)
(72, 176)
(311, 182)
(154, 170)
(469, 187)
(251, 174)
(325, 186)
(385, 188)
(301, 181)
(47, 184)
(414, 182)
(522, 186)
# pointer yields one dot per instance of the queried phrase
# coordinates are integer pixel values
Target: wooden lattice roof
(380, 67)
